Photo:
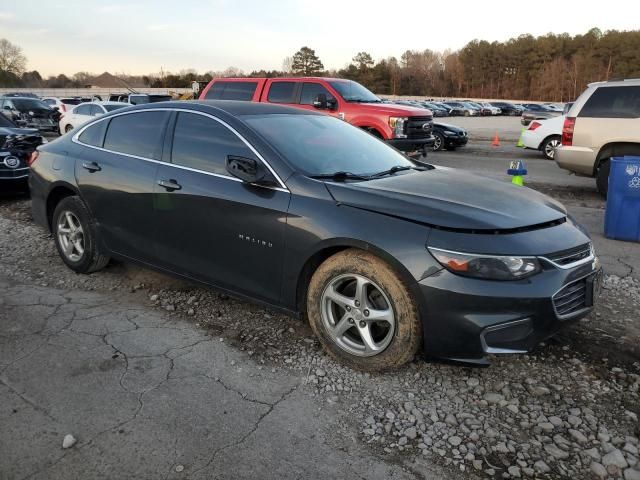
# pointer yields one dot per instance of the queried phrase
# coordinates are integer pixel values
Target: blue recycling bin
(622, 217)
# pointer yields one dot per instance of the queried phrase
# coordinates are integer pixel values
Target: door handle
(169, 185)
(91, 166)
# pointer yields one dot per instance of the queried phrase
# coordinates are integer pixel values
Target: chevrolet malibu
(307, 214)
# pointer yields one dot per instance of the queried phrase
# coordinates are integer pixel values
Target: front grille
(571, 299)
(10, 173)
(571, 255)
(415, 127)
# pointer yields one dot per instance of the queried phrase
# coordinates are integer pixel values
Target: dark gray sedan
(307, 214)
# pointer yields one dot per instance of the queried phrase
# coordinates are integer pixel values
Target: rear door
(210, 225)
(115, 171)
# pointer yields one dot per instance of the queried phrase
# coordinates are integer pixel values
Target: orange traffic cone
(496, 141)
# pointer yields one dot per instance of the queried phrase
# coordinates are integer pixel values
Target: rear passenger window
(232, 91)
(137, 134)
(94, 134)
(613, 102)
(311, 90)
(202, 143)
(82, 110)
(281, 92)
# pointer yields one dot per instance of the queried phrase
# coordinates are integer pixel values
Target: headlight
(490, 267)
(397, 124)
(449, 133)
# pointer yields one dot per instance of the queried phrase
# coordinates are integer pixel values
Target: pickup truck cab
(404, 127)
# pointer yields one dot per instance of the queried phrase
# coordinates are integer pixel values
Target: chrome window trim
(75, 139)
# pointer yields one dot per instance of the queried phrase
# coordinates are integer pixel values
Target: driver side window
(311, 90)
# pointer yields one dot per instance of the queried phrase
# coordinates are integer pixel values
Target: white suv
(604, 122)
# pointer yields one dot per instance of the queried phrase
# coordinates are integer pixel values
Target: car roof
(10, 97)
(628, 82)
(231, 107)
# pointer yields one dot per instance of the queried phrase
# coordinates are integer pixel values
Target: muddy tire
(75, 236)
(363, 313)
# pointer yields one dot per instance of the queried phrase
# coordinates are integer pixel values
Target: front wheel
(75, 236)
(68, 128)
(549, 147)
(438, 142)
(362, 312)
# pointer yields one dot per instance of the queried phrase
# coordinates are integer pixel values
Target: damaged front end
(42, 120)
(16, 147)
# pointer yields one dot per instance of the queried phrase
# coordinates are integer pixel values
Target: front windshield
(28, 104)
(353, 91)
(324, 145)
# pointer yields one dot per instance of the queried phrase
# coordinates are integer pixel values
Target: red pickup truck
(404, 127)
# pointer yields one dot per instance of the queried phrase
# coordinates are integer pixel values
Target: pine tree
(306, 62)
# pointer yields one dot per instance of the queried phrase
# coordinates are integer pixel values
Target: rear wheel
(549, 146)
(602, 177)
(75, 236)
(68, 128)
(362, 312)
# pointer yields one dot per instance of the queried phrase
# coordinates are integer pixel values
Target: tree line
(553, 67)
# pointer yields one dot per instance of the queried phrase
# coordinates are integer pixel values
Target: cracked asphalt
(148, 397)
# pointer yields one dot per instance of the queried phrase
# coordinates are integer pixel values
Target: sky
(143, 36)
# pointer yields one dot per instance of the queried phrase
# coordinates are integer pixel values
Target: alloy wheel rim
(357, 315)
(550, 148)
(70, 236)
(437, 142)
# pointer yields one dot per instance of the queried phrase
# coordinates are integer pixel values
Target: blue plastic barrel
(622, 217)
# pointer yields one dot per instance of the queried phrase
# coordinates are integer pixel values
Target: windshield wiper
(397, 168)
(340, 176)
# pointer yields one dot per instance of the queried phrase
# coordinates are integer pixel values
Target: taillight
(64, 107)
(33, 157)
(534, 125)
(567, 131)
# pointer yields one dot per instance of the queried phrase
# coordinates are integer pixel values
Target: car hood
(448, 126)
(4, 131)
(450, 198)
(394, 109)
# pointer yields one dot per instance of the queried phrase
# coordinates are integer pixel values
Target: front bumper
(411, 144)
(466, 318)
(455, 140)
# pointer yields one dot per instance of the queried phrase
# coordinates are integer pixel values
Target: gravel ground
(568, 410)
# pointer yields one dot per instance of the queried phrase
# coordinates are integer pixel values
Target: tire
(68, 128)
(72, 215)
(602, 177)
(395, 339)
(438, 143)
(466, 113)
(549, 146)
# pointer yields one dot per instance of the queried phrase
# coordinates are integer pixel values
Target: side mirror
(57, 109)
(332, 104)
(321, 102)
(248, 170)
